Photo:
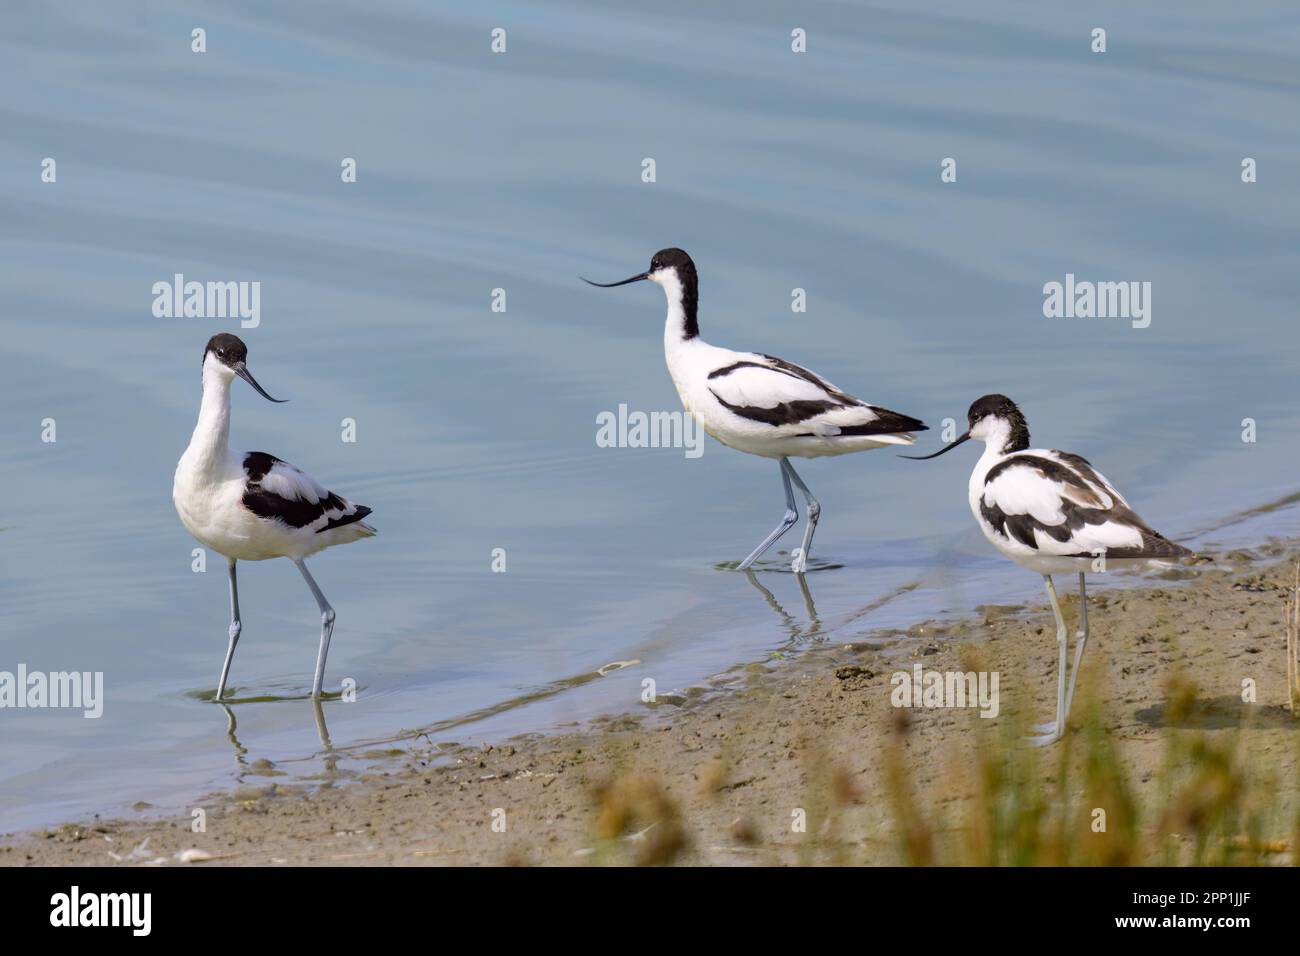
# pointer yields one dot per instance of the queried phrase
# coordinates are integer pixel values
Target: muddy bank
(807, 760)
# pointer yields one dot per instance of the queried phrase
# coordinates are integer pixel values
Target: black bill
(942, 451)
(242, 371)
(610, 285)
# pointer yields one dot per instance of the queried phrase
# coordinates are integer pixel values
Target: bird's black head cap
(229, 349)
(673, 258)
(677, 259)
(1002, 407)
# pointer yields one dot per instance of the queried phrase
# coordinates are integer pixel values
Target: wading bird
(760, 404)
(1052, 512)
(251, 506)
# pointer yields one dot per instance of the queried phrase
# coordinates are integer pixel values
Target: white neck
(995, 432)
(997, 435)
(210, 443)
(992, 455)
(675, 322)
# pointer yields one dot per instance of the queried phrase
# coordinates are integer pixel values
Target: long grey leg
(326, 627)
(1053, 732)
(791, 516)
(800, 563)
(235, 628)
(1082, 637)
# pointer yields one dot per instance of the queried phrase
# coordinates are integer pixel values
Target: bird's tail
(895, 438)
(354, 524)
(364, 530)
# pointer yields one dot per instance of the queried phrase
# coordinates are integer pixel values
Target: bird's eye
(221, 352)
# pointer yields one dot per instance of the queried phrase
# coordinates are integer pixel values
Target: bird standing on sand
(252, 506)
(1052, 512)
(760, 404)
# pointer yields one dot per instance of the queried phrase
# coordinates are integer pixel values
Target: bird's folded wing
(1047, 505)
(758, 385)
(292, 483)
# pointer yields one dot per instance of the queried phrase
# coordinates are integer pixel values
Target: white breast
(209, 502)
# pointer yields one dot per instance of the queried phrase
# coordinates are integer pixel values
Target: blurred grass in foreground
(1006, 804)
(1216, 794)
(1075, 804)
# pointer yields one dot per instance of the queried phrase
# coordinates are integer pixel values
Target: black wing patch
(886, 423)
(784, 413)
(1021, 527)
(792, 413)
(258, 463)
(294, 512)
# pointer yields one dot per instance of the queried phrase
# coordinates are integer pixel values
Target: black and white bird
(760, 404)
(1052, 512)
(251, 506)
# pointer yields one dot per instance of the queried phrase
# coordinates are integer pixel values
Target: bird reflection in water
(798, 632)
(329, 756)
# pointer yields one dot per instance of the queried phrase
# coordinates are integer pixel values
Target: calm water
(476, 429)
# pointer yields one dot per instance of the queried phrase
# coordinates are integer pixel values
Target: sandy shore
(807, 760)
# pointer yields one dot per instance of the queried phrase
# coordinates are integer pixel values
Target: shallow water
(476, 429)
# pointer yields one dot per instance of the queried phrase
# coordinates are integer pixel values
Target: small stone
(850, 671)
